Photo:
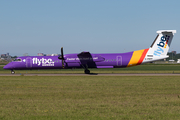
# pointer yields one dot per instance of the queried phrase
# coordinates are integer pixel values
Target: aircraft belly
(73, 65)
(105, 66)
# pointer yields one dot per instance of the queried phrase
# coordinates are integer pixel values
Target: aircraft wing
(88, 57)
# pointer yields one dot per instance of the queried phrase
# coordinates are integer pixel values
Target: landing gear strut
(86, 71)
(12, 72)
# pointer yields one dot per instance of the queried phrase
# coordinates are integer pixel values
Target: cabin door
(28, 62)
(119, 60)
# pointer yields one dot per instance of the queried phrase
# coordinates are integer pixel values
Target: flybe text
(164, 41)
(162, 44)
(43, 62)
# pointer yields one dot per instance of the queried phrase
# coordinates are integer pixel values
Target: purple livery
(157, 51)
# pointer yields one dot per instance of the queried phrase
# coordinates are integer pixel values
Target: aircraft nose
(8, 66)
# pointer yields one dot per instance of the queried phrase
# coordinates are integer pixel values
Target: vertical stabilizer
(160, 46)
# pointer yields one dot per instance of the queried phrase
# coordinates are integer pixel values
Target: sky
(97, 26)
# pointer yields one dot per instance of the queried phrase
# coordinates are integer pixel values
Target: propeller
(62, 57)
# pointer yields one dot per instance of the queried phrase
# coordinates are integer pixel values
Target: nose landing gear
(12, 72)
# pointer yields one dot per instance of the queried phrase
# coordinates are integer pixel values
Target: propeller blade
(62, 57)
(62, 63)
(62, 54)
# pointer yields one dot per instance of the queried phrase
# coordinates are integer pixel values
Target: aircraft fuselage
(157, 51)
(116, 60)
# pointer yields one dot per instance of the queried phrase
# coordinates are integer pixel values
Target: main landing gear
(86, 71)
(12, 72)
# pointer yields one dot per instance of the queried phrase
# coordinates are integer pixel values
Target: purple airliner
(157, 51)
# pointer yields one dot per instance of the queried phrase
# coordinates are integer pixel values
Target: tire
(87, 71)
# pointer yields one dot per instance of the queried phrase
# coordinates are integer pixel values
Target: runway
(93, 74)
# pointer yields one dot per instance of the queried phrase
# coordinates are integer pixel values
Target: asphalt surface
(92, 74)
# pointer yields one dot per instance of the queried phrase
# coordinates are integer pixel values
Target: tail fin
(160, 46)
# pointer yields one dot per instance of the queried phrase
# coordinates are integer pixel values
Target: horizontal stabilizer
(166, 31)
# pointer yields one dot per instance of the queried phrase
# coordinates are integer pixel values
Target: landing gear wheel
(87, 71)
(12, 72)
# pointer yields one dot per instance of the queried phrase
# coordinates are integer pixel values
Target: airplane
(157, 51)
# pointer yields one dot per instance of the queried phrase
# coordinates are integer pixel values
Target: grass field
(146, 68)
(89, 97)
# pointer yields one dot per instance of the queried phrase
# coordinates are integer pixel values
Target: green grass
(89, 97)
(147, 68)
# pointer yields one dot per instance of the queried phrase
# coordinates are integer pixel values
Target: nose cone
(8, 66)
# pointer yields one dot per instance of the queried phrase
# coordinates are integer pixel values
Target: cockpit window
(17, 60)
